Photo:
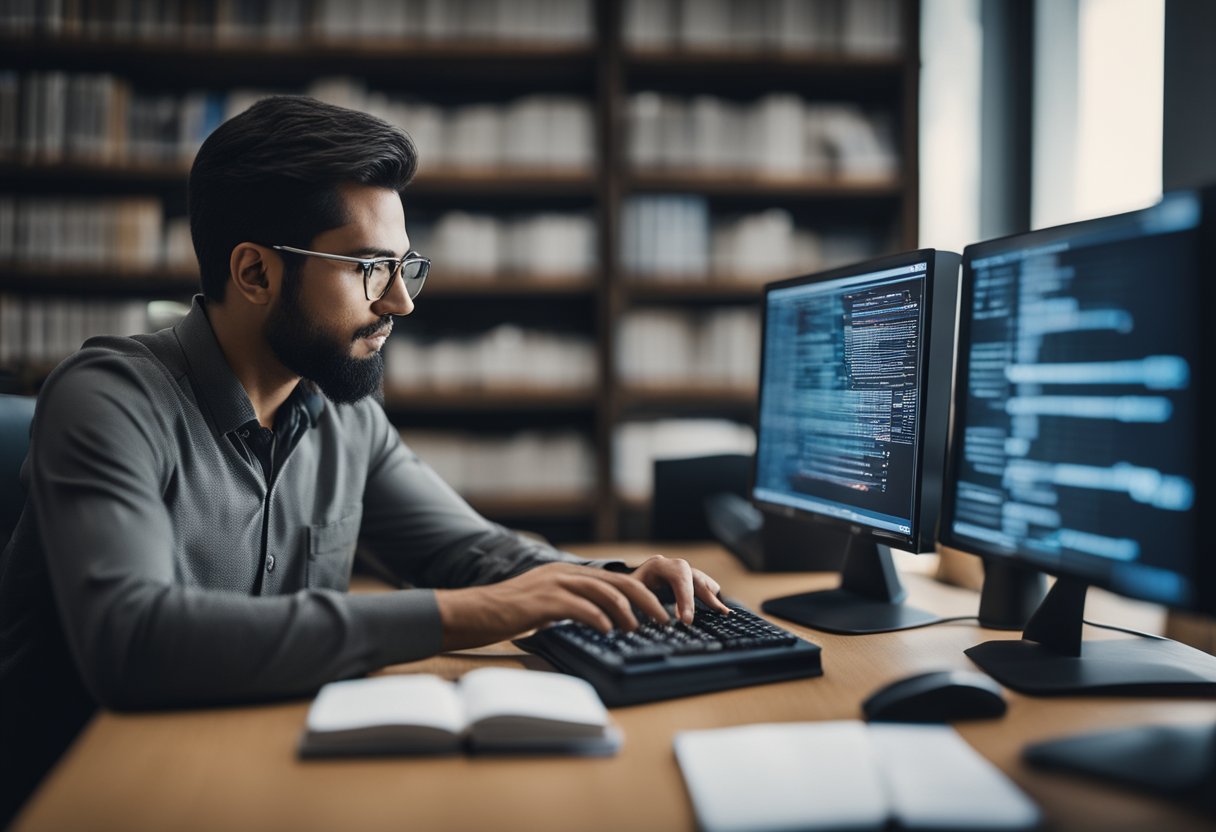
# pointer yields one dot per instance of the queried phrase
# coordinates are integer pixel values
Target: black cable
(1127, 630)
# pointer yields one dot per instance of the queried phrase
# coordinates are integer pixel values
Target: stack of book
(637, 444)
(488, 246)
(40, 331)
(507, 357)
(855, 27)
(557, 463)
(533, 132)
(662, 348)
(779, 135)
(545, 21)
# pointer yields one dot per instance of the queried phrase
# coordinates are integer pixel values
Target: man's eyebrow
(371, 251)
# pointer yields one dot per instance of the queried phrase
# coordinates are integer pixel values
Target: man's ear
(255, 272)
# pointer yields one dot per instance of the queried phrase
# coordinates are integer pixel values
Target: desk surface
(235, 768)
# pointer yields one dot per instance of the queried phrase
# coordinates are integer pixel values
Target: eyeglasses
(378, 273)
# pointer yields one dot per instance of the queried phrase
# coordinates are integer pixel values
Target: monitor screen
(1076, 417)
(841, 423)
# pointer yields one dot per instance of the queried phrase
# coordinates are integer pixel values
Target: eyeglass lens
(381, 273)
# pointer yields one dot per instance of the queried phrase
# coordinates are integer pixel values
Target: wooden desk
(235, 768)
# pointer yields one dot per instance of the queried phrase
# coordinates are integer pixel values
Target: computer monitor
(851, 430)
(1081, 434)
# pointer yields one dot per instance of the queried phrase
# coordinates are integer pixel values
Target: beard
(308, 351)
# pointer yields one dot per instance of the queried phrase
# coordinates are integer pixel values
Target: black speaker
(681, 486)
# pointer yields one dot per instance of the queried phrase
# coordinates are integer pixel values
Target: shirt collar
(215, 385)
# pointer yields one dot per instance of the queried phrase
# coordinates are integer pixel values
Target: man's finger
(638, 594)
(707, 590)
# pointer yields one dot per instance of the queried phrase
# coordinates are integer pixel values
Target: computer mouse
(937, 696)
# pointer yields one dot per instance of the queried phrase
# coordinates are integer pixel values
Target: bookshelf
(542, 245)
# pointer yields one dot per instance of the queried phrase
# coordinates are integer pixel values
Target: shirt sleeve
(100, 468)
(419, 528)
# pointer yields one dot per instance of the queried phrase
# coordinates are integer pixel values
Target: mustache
(381, 327)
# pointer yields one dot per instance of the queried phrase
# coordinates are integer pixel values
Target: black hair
(271, 174)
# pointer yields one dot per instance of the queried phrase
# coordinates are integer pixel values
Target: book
(845, 774)
(491, 709)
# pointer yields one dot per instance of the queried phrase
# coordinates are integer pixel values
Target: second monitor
(851, 431)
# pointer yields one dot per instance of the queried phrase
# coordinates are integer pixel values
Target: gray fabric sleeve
(141, 639)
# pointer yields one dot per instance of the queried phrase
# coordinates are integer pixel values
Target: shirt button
(270, 563)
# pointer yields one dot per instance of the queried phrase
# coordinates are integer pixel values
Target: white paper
(782, 776)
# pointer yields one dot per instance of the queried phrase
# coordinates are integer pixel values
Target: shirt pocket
(331, 552)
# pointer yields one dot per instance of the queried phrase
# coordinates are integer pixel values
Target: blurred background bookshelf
(605, 186)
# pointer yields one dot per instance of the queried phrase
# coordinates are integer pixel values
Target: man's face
(323, 328)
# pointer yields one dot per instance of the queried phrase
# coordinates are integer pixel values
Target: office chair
(16, 413)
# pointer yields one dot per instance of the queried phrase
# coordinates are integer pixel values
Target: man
(196, 495)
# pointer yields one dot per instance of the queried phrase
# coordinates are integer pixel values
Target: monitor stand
(1011, 594)
(1177, 761)
(1051, 660)
(868, 600)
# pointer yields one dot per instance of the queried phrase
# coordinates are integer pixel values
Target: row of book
(241, 21)
(663, 237)
(534, 131)
(853, 27)
(561, 463)
(676, 237)
(41, 331)
(485, 245)
(778, 135)
(100, 118)
(506, 357)
(659, 348)
(637, 444)
(530, 463)
(116, 233)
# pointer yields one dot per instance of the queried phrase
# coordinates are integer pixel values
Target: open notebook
(489, 709)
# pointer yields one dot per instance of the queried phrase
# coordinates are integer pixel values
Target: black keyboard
(663, 661)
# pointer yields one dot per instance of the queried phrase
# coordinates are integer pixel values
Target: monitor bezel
(1201, 569)
(919, 539)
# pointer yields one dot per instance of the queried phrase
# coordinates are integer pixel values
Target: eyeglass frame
(368, 263)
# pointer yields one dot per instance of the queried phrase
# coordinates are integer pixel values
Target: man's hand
(602, 599)
(686, 584)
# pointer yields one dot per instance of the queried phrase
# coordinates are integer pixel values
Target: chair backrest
(16, 413)
(681, 486)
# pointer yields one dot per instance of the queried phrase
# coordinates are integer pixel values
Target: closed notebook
(489, 709)
(837, 775)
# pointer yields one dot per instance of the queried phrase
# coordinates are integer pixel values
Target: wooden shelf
(553, 506)
(430, 400)
(515, 182)
(268, 61)
(103, 279)
(739, 73)
(441, 285)
(688, 397)
(518, 182)
(763, 60)
(25, 278)
(713, 290)
(710, 183)
(73, 175)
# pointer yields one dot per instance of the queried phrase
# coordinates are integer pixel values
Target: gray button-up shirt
(149, 522)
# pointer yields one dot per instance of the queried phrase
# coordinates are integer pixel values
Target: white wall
(950, 116)
(1099, 81)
